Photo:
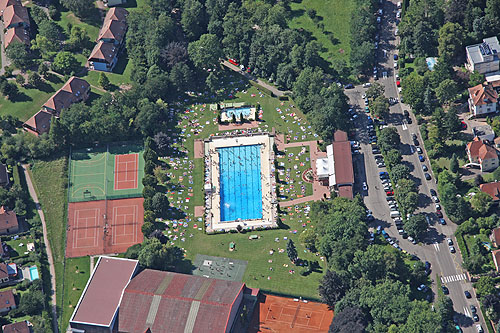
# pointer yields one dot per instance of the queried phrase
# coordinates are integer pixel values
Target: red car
(389, 193)
(464, 125)
(398, 83)
(439, 214)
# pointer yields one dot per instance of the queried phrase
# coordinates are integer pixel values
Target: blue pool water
(34, 273)
(240, 183)
(238, 111)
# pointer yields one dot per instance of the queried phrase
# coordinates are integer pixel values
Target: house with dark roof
(8, 222)
(483, 57)
(111, 3)
(111, 38)
(74, 91)
(483, 99)
(7, 301)
(15, 16)
(39, 123)
(482, 154)
(118, 298)
(4, 175)
(19, 327)
(16, 35)
(4, 274)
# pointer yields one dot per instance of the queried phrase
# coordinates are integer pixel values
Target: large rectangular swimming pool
(240, 183)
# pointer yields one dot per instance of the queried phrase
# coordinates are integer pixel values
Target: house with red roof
(6, 3)
(482, 155)
(7, 301)
(19, 327)
(15, 16)
(496, 259)
(495, 237)
(17, 34)
(111, 38)
(493, 189)
(482, 99)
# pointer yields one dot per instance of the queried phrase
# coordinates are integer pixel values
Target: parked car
(349, 86)
(421, 158)
(446, 291)
(452, 249)
(419, 150)
(436, 199)
(475, 317)
(473, 308)
(389, 193)
(479, 328)
(365, 187)
(467, 294)
(438, 206)
(395, 57)
(427, 176)
(424, 167)
(441, 220)
(433, 192)
(366, 85)
(463, 125)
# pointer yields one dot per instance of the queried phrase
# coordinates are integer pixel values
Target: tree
(454, 163)
(451, 37)
(19, 55)
(291, 251)
(375, 90)
(332, 288)
(421, 319)
(43, 69)
(160, 204)
(481, 202)
(32, 302)
(400, 171)
(393, 158)
(351, 319)
(444, 307)
(389, 139)
(380, 107)
(174, 53)
(416, 226)
(34, 79)
(65, 62)
(78, 39)
(309, 237)
(447, 91)
(362, 59)
(476, 78)
(452, 124)
(81, 8)
(406, 194)
(485, 286)
(155, 255)
(332, 115)
(20, 79)
(413, 92)
(103, 81)
(8, 89)
(193, 19)
(206, 51)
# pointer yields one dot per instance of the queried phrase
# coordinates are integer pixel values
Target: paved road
(445, 265)
(47, 247)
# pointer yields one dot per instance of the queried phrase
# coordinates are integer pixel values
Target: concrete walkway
(5, 60)
(47, 247)
(249, 76)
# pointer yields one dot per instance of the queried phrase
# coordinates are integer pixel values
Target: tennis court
(103, 226)
(106, 172)
(280, 314)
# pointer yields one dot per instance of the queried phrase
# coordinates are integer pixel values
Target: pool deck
(212, 196)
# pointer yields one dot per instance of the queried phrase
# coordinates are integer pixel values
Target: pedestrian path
(453, 278)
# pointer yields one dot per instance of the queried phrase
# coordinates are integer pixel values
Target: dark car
(440, 215)
(473, 309)
(446, 291)
(441, 220)
(421, 158)
(463, 125)
(467, 294)
(407, 115)
(408, 120)
(349, 86)
(433, 192)
(427, 176)
(395, 57)
(475, 317)
(427, 268)
(415, 142)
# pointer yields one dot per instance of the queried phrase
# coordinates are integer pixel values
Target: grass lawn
(76, 275)
(69, 17)
(335, 16)
(28, 101)
(50, 179)
(15, 247)
(470, 239)
(291, 165)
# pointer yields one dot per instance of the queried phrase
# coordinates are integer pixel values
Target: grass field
(291, 166)
(334, 16)
(76, 275)
(50, 179)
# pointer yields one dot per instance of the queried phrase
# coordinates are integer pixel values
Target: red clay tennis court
(97, 227)
(126, 167)
(280, 314)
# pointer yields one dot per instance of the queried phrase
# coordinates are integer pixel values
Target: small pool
(245, 111)
(34, 273)
(431, 62)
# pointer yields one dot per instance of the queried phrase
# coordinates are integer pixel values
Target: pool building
(230, 112)
(240, 183)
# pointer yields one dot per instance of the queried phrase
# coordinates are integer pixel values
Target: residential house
(493, 189)
(111, 38)
(496, 259)
(19, 327)
(17, 34)
(6, 3)
(111, 3)
(4, 175)
(483, 57)
(484, 133)
(16, 16)
(8, 222)
(4, 274)
(7, 301)
(39, 123)
(483, 99)
(482, 155)
(74, 91)
(495, 237)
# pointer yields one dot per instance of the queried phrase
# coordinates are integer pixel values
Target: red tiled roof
(486, 151)
(6, 3)
(483, 94)
(495, 234)
(18, 34)
(8, 219)
(7, 299)
(166, 301)
(113, 30)
(4, 273)
(71, 92)
(342, 156)
(340, 136)
(101, 297)
(116, 14)
(15, 14)
(493, 189)
(346, 191)
(20, 327)
(496, 259)
(478, 149)
(39, 123)
(104, 51)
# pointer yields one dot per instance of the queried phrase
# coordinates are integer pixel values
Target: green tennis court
(106, 172)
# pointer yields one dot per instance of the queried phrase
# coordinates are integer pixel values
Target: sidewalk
(47, 247)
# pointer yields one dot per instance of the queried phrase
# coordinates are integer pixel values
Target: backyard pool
(245, 111)
(240, 183)
(34, 273)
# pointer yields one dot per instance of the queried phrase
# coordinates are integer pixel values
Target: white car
(365, 187)
(396, 32)
(395, 64)
(450, 242)
(363, 96)
(366, 85)
(398, 14)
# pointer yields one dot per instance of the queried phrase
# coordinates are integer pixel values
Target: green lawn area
(335, 16)
(50, 179)
(69, 17)
(76, 275)
(15, 247)
(291, 165)
(28, 101)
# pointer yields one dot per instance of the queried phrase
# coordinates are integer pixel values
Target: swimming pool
(238, 112)
(34, 273)
(240, 183)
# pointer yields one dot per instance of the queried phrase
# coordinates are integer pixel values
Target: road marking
(467, 312)
(404, 126)
(453, 278)
(436, 246)
(412, 150)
